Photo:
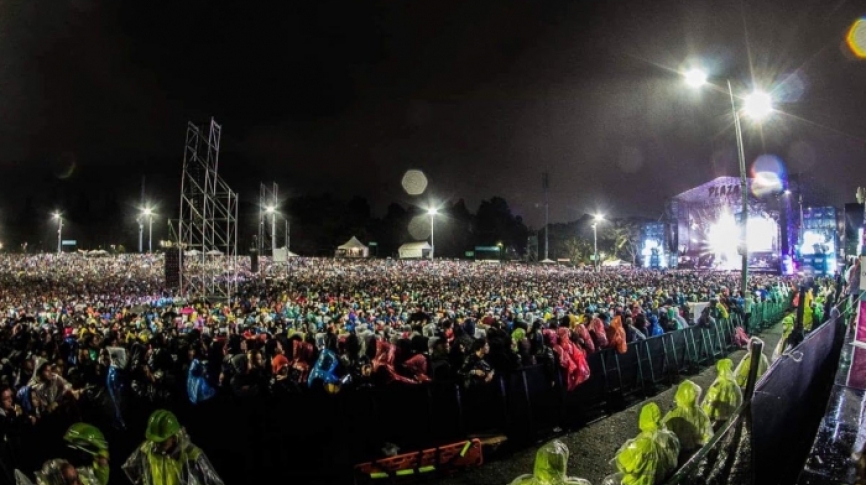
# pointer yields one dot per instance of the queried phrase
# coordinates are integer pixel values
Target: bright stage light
(651, 246)
(761, 234)
(723, 239)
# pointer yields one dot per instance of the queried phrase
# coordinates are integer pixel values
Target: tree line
(318, 223)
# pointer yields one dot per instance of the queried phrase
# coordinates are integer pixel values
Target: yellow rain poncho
(168, 457)
(742, 370)
(808, 312)
(687, 420)
(651, 457)
(551, 463)
(787, 328)
(724, 395)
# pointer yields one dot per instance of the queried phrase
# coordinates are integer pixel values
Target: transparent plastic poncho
(741, 373)
(687, 420)
(56, 472)
(551, 463)
(185, 464)
(650, 457)
(724, 395)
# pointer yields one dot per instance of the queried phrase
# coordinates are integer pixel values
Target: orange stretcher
(416, 465)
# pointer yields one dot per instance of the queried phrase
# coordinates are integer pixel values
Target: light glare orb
(696, 78)
(419, 227)
(758, 105)
(856, 38)
(414, 182)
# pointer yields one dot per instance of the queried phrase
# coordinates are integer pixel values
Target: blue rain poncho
(197, 386)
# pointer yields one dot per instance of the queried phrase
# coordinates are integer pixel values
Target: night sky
(482, 95)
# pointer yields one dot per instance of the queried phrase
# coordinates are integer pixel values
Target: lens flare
(768, 175)
(856, 38)
(414, 182)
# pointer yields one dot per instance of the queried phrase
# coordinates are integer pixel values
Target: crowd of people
(84, 331)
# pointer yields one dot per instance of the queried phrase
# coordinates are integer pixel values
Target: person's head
(480, 347)
(86, 439)
(162, 430)
(256, 359)
(69, 474)
(45, 371)
(7, 398)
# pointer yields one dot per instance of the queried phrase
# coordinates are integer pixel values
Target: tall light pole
(757, 105)
(598, 218)
(273, 212)
(432, 211)
(140, 234)
(59, 218)
(148, 212)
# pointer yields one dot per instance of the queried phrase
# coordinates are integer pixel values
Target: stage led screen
(708, 228)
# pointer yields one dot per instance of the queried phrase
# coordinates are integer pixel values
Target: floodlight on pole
(148, 212)
(758, 105)
(696, 78)
(59, 218)
(432, 211)
(596, 219)
(273, 212)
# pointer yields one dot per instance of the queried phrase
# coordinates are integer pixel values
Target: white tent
(214, 252)
(415, 250)
(615, 263)
(192, 252)
(548, 261)
(353, 249)
(281, 255)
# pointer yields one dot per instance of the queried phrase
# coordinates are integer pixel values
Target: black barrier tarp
(788, 405)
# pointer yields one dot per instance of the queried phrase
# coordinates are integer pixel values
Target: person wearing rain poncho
(687, 420)
(724, 395)
(551, 462)
(93, 448)
(787, 328)
(742, 371)
(168, 457)
(58, 472)
(650, 457)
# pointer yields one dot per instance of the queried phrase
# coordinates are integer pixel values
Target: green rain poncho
(687, 420)
(651, 457)
(787, 328)
(724, 395)
(742, 371)
(551, 462)
(181, 463)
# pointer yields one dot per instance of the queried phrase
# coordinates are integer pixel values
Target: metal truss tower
(269, 205)
(207, 230)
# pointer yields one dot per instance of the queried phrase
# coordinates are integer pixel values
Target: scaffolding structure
(207, 230)
(269, 204)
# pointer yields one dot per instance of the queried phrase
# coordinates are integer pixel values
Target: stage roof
(713, 189)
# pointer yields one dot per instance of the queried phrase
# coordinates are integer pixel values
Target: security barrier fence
(317, 438)
(768, 439)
